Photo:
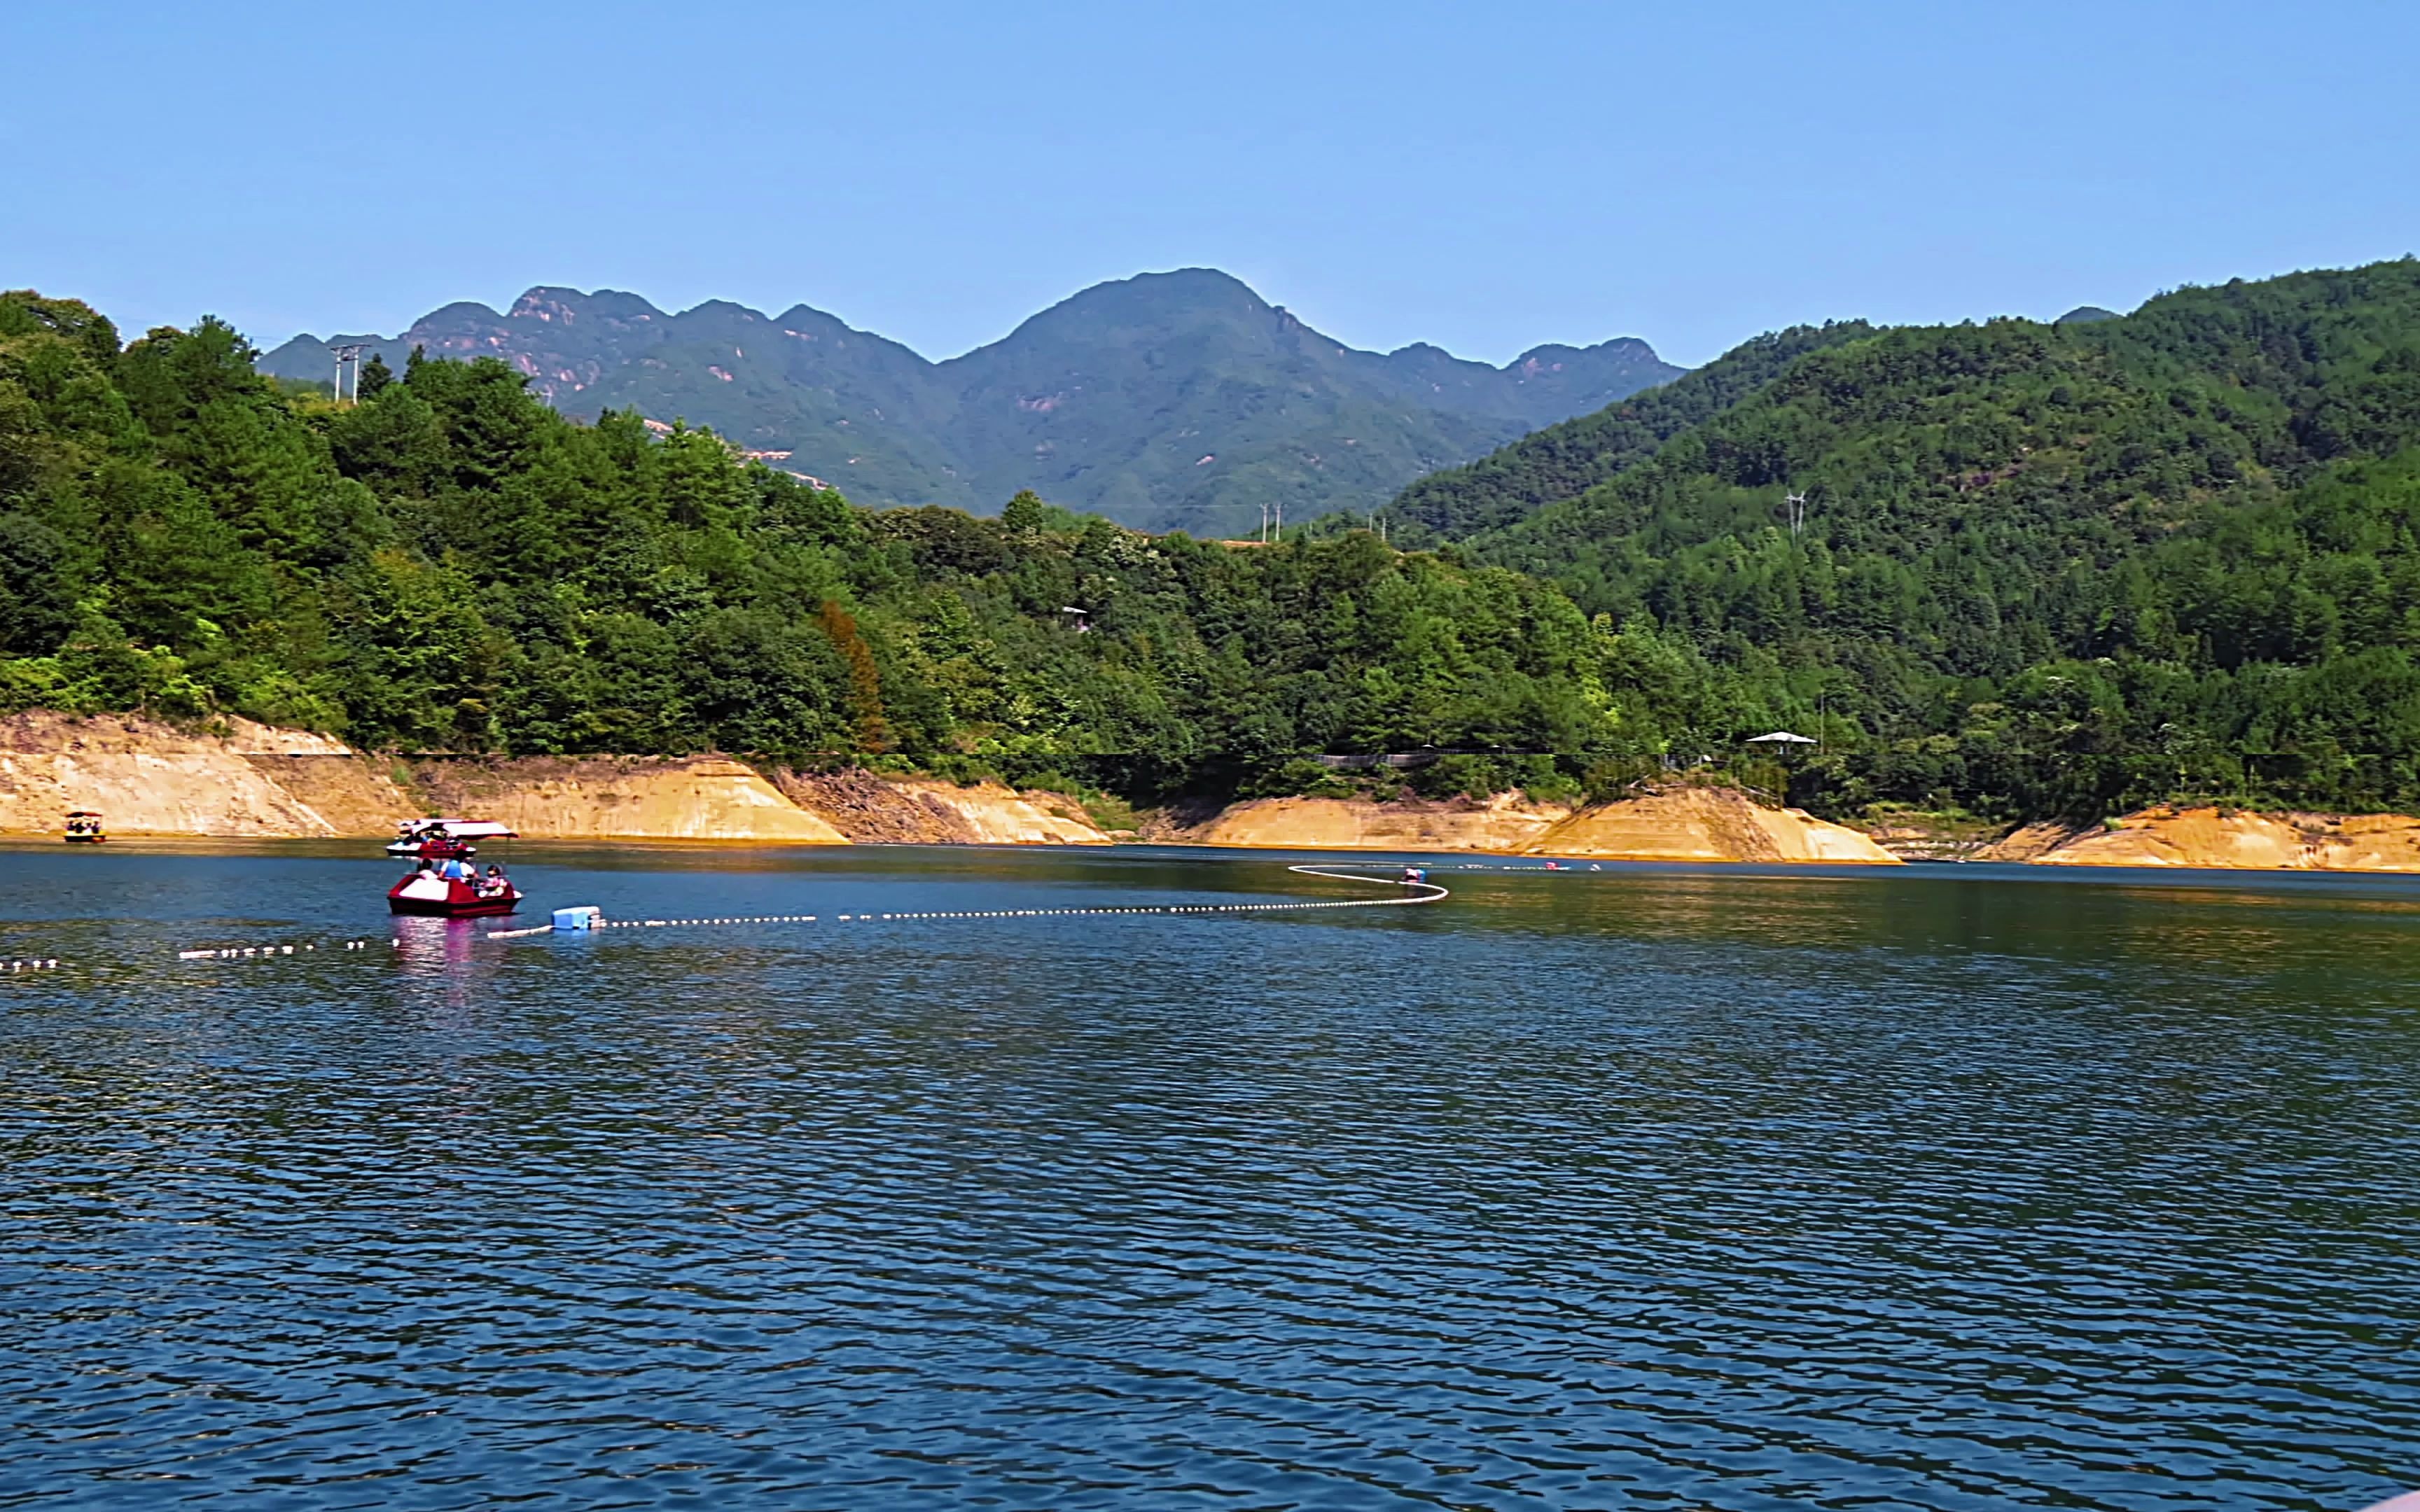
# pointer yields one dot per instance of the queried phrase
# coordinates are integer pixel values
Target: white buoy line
(251, 952)
(1416, 894)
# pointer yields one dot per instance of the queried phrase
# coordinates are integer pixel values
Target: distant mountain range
(1167, 401)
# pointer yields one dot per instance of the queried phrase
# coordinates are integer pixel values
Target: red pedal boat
(448, 883)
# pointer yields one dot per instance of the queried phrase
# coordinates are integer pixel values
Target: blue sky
(1484, 176)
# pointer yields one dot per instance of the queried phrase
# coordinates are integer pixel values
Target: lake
(1944, 1187)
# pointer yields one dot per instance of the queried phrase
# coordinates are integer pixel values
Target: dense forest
(1564, 460)
(450, 565)
(2039, 570)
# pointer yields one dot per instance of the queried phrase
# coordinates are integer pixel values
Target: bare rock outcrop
(2028, 843)
(2233, 839)
(1505, 825)
(873, 810)
(1679, 825)
(1708, 824)
(618, 798)
(149, 778)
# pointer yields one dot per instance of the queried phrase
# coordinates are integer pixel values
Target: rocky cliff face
(1505, 825)
(145, 777)
(2239, 838)
(1685, 825)
(871, 810)
(1708, 824)
(249, 781)
(698, 797)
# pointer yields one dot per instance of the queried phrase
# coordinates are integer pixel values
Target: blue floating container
(583, 918)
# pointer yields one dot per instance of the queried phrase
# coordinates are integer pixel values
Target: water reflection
(441, 946)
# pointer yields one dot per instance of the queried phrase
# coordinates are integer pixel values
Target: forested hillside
(2043, 570)
(1178, 400)
(1563, 460)
(2042, 567)
(452, 566)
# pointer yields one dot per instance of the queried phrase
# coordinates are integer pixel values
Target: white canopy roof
(460, 828)
(1780, 737)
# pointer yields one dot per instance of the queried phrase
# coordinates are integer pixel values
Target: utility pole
(349, 356)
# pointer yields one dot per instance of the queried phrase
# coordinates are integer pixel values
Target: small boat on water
(83, 828)
(448, 883)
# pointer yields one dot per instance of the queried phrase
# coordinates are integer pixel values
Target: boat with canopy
(411, 833)
(448, 883)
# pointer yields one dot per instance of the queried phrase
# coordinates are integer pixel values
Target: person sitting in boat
(496, 884)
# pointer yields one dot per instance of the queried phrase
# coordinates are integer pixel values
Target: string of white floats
(250, 952)
(232, 952)
(1426, 892)
(1416, 893)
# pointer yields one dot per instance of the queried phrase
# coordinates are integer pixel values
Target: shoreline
(345, 848)
(236, 780)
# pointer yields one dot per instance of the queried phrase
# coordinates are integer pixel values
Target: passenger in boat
(496, 886)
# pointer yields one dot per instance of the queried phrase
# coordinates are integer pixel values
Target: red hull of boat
(483, 908)
(459, 901)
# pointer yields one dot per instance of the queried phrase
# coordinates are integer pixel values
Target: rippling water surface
(1640, 1188)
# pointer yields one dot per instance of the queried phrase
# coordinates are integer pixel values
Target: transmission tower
(1797, 502)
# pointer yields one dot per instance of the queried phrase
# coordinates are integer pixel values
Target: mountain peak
(1149, 298)
(1175, 398)
(458, 312)
(1556, 352)
(1189, 284)
(725, 307)
(548, 304)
